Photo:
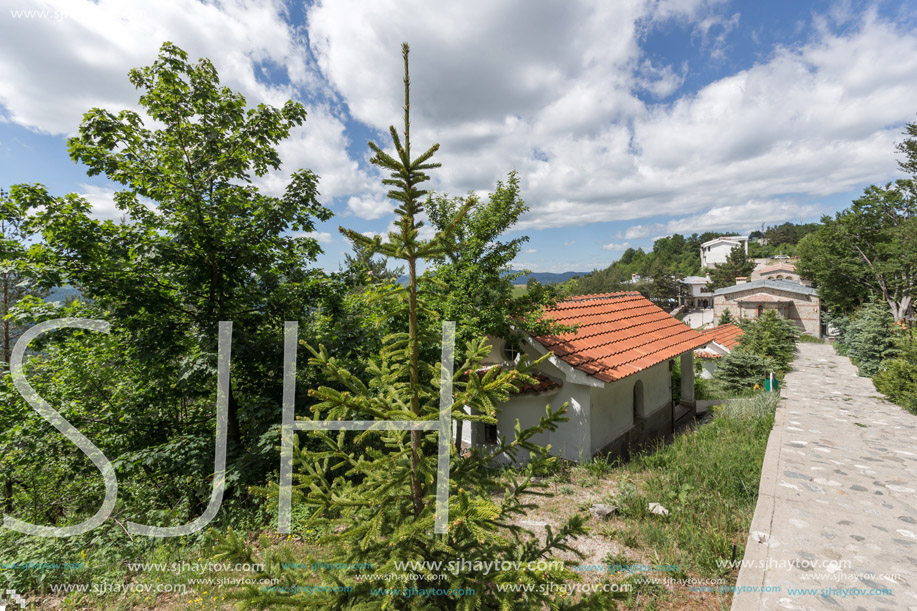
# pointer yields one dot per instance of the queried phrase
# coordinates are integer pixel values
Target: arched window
(638, 399)
(760, 310)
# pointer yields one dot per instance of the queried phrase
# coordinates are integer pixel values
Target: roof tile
(618, 334)
(725, 335)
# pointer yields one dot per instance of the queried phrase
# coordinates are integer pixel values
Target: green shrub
(770, 336)
(870, 338)
(897, 377)
(740, 370)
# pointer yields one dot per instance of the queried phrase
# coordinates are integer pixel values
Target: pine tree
(726, 318)
(737, 265)
(376, 505)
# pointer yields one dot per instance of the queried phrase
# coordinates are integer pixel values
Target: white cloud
(322, 237)
(55, 70)
(816, 119)
(531, 251)
(548, 89)
(741, 217)
(102, 200)
(616, 247)
(570, 243)
(369, 209)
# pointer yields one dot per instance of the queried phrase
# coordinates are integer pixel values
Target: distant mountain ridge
(542, 277)
(545, 277)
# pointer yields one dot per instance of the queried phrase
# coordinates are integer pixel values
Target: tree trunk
(416, 436)
(459, 425)
(899, 308)
(8, 496)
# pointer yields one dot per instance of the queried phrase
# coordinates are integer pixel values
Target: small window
(510, 352)
(490, 433)
(760, 310)
(638, 399)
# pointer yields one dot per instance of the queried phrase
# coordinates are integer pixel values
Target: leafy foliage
(477, 292)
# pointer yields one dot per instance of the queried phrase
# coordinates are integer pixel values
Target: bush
(770, 336)
(897, 377)
(740, 370)
(870, 338)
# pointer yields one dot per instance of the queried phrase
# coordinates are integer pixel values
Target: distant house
(791, 300)
(614, 370)
(777, 271)
(720, 342)
(715, 251)
(697, 295)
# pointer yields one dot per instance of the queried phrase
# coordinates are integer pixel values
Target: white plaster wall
(613, 406)
(571, 440)
(708, 366)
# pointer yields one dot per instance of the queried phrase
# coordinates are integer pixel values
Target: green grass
(810, 339)
(708, 480)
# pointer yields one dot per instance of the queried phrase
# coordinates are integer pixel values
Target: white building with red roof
(614, 371)
(721, 340)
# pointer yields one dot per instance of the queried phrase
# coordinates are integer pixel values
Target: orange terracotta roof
(619, 334)
(706, 354)
(725, 335)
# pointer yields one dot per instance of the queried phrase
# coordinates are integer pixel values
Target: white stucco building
(614, 371)
(715, 251)
(697, 294)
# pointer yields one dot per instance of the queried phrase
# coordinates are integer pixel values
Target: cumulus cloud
(102, 200)
(551, 90)
(817, 118)
(369, 209)
(531, 251)
(55, 70)
(741, 217)
(322, 237)
(616, 247)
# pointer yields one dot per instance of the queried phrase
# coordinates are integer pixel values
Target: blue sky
(626, 121)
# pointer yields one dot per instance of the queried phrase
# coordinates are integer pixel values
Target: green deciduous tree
(197, 244)
(477, 290)
(868, 249)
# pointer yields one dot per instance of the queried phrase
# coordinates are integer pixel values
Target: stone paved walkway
(837, 511)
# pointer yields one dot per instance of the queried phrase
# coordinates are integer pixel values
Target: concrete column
(687, 378)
